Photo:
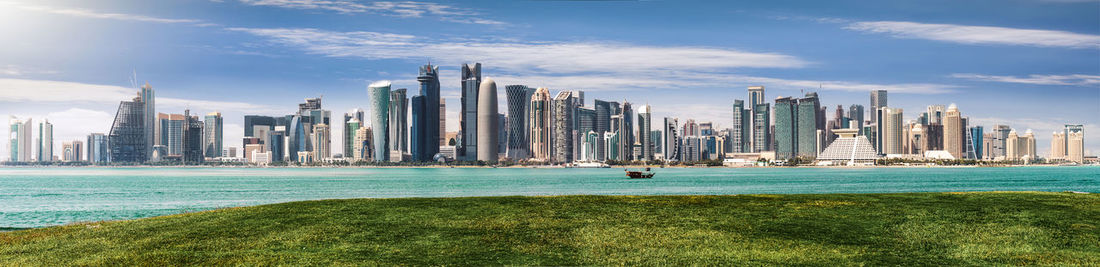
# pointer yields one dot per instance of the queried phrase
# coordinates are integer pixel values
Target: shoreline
(535, 167)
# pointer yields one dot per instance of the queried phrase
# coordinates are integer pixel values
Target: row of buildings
(538, 126)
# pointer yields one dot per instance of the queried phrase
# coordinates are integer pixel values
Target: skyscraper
(45, 141)
(786, 127)
(892, 134)
(320, 138)
(742, 119)
(212, 135)
(518, 99)
(21, 140)
(127, 140)
(149, 116)
(935, 114)
(627, 131)
(297, 137)
(810, 120)
(670, 141)
(758, 140)
(761, 127)
(1075, 143)
(975, 144)
(563, 110)
(429, 116)
(645, 132)
(855, 113)
(399, 120)
(379, 93)
(467, 147)
(352, 121)
(952, 132)
(442, 122)
(999, 139)
(878, 100)
(192, 138)
(487, 128)
(540, 124)
(97, 149)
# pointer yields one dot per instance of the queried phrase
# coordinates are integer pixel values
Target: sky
(1029, 64)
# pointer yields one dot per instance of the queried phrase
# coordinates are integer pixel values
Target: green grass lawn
(1015, 228)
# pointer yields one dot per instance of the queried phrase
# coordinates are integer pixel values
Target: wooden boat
(647, 174)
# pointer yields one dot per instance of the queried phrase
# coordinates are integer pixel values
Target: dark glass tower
(518, 98)
(426, 115)
(466, 149)
(127, 137)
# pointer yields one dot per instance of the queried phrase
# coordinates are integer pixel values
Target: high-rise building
(1020, 148)
(756, 100)
(45, 141)
(669, 139)
(602, 116)
(70, 151)
(742, 119)
(352, 121)
(362, 144)
(518, 99)
(321, 139)
(170, 133)
(1058, 146)
(399, 120)
(297, 138)
(892, 136)
(761, 128)
(810, 120)
(97, 149)
(1075, 143)
(952, 132)
(212, 135)
(936, 114)
(443, 122)
(429, 116)
(149, 116)
(277, 144)
(467, 147)
(127, 140)
(257, 126)
(488, 131)
(563, 109)
(878, 100)
(627, 131)
(917, 139)
(999, 141)
(540, 124)
(645, 132)
(855, 115)
(975, 142)
(192, 138)
(379, 93)
(987, 146)
(21, 139)
(786, 127)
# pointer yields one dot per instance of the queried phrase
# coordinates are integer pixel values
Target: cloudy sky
(1031, 64)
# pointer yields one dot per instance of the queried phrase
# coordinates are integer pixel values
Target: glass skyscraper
(379, 93)
(127, 140)
(466, 149)
(428, 116)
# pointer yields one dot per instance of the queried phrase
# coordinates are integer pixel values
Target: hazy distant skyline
(1029, 64)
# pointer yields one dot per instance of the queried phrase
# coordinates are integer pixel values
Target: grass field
(1015, 228)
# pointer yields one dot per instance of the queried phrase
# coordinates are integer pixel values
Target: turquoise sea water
(31, 197)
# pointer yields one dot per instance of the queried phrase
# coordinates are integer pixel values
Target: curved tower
(487, 125)
(379, 93)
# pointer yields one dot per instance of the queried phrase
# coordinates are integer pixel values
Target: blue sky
(1029, 64)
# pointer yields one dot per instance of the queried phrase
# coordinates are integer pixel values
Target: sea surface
(36, 197)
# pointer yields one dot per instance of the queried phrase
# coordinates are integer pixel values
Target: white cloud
(573, 65)
(1040, 79)
(23, 90)
(979, 34)
(403, 9)
(85, 13)
(13, 70)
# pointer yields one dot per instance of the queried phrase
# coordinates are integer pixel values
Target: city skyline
(1010, 85)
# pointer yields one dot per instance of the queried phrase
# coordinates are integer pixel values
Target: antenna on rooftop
(133, 79)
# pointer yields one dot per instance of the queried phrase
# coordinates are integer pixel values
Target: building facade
(379, 93)
(540, 124)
